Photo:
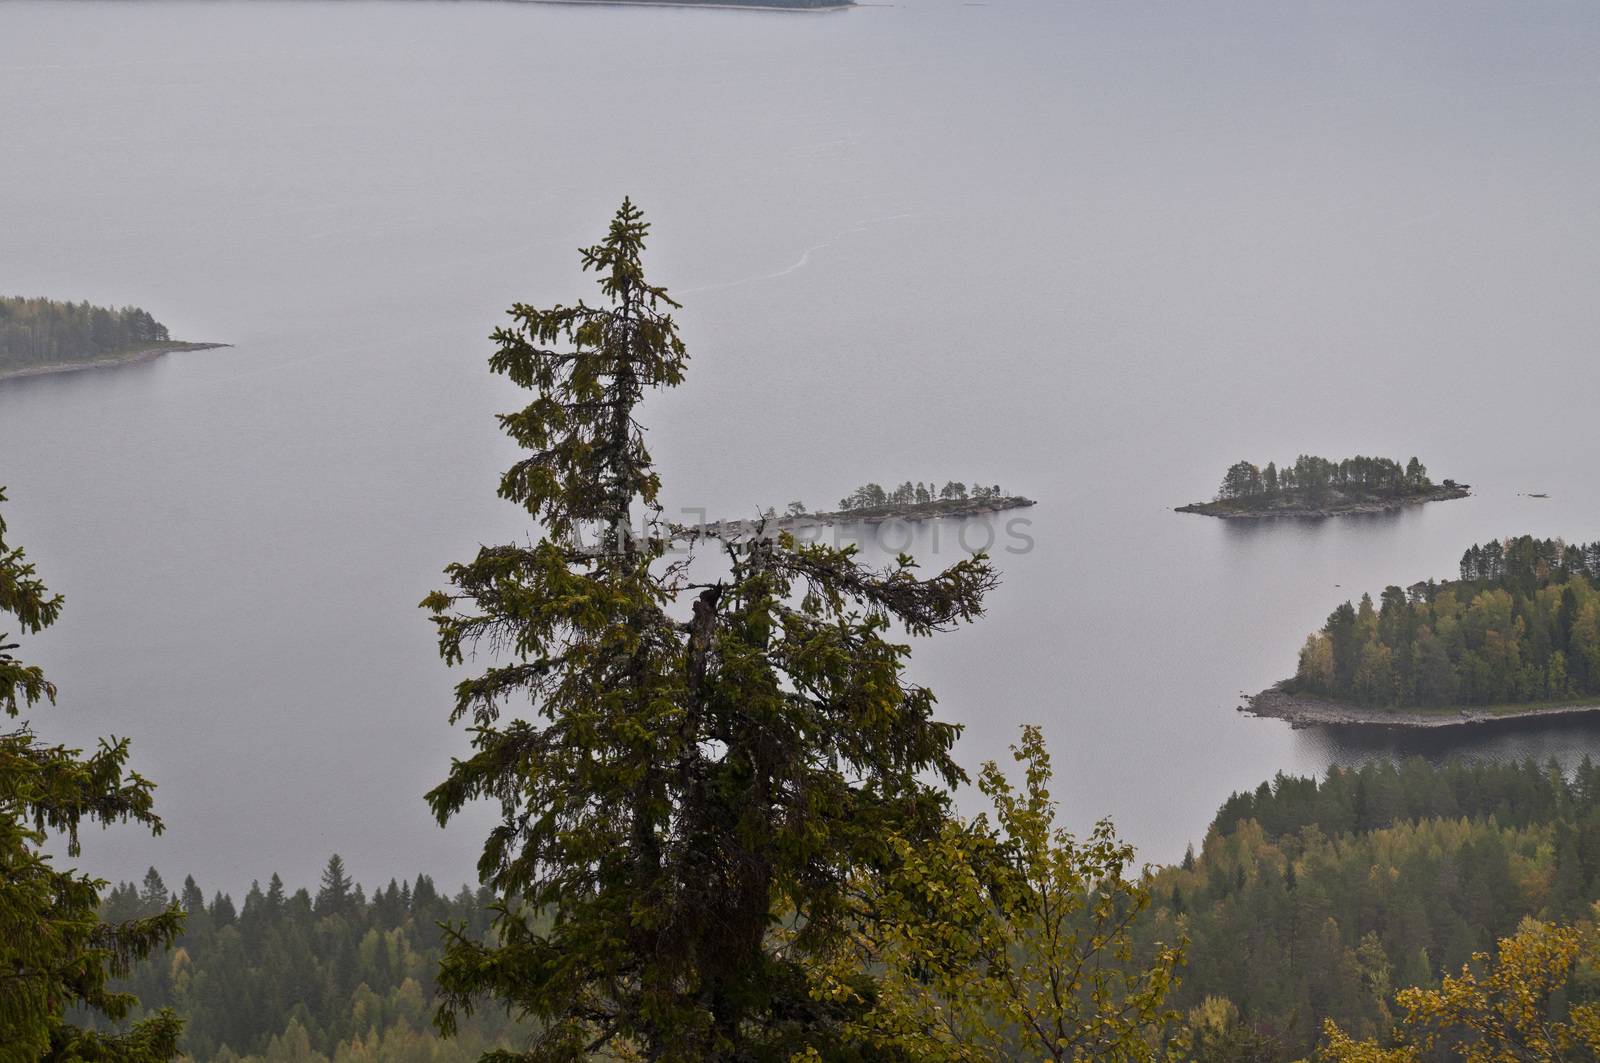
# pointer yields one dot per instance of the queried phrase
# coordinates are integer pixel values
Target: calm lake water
(1095, 252)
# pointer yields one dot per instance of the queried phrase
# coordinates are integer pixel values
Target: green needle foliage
(685, 793)
(55, 953)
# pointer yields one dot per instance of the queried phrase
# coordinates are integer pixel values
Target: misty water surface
(1094, 252)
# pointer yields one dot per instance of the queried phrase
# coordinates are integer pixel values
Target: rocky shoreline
(1305, 710)
(1298, 509)
(143, 354)
(918, 511)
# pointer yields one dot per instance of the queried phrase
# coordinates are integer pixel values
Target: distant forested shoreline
(1312, 486)
(1316, 900)
(1287, 920)
(39, 335)
(775, 5)
(324, 974)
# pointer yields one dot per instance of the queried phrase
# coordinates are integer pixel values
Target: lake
(1093, 252)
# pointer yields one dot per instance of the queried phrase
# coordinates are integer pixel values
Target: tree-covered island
(1517, 634)
(46, 336)
(1317, 487)
(871, 503)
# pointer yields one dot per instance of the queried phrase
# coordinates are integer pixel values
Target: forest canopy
(1317, 900)
(38, 332)
(322, 974)
(1311, 900)
(1521, 624)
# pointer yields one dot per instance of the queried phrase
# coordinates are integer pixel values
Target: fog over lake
(1093, 252)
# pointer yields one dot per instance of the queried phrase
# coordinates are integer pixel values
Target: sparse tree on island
(688, 780)
(795, 509)
(871, 495)
(1242, 480)
(867, 496)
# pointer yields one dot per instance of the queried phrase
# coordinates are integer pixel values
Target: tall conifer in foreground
(675, 784)
(55, 953)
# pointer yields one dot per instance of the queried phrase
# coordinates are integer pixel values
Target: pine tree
(55, 952)
(693, 781)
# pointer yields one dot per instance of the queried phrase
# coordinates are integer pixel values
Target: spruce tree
(334, 892)
(153, 895)
(192, 899)
(687, 782)
(55, 953)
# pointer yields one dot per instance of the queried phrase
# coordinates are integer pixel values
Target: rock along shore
(1305, 710)
(144, 354)
(919, 511)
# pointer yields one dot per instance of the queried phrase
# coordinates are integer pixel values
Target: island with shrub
(1318, 487)
(872, 504)
(40, 336)
(1517, 635)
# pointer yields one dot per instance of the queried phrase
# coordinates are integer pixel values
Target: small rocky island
(1517, 636)
(1317, 487)
(39, 336)
(872, 504)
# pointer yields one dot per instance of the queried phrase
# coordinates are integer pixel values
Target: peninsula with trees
(871, 503)
(40, 336)
(1517, 635)
(1318, 487)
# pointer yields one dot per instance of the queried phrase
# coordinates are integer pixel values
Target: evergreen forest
(1521, 625)
(40, 332)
